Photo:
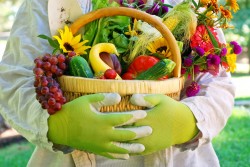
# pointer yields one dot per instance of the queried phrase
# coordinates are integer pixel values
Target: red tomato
(110, 74)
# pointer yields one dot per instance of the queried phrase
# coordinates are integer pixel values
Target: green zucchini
(159, 70)
(78, 66)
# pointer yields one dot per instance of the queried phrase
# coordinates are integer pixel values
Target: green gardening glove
(172, 122)
(80, 125)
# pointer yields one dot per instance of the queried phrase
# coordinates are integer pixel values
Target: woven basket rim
(123, 87)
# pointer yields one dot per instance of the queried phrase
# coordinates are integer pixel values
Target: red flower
(201, 38)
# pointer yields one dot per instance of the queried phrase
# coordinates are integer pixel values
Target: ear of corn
(171, 22)
(181, 21)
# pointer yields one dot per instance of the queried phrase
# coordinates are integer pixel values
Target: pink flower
(200, 51)
(213, 62)
(223, 52)
(201, 38)
(192, 89)
(188, 62)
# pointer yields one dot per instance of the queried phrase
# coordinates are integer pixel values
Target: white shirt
(18, 105)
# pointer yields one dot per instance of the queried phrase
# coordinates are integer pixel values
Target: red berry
(39, 63)
(46, 57)
(53, 68)
(41, 99)
(48, 73)
(61, 58)
(62, 66)
(36, 59)
(46, 65)
(51, 111)
(71, 54)
(58, 96)
(53, 60)
(38, 90)
(38, 71)
(63, 100)
(59, 72)
(44, 82)
(44, 90)
(36, 83)
(110, 74)
(57, 107)
(51, 102)
(53, 89)
(45, 105)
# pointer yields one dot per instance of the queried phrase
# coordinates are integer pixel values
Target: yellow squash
(96, 62)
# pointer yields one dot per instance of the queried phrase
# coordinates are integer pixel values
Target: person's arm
(212, 106)
(18, 103)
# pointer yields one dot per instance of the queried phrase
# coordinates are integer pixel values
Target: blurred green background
(231, 145)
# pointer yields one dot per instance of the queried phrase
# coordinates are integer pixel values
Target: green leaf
(167, 5)
(211, 36)
(54, 51)
(195, 4)
(44, 36)
(120, 41)
(53, 43)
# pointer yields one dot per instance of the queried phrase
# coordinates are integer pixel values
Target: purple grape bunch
(48, 92)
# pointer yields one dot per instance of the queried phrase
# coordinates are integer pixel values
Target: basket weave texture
(74, 87)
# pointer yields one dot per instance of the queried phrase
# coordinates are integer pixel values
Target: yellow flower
(214, 4)
(211, 17)
(233, 5)
(205, 2)
(225, 13)
(70, 43)
(231, 60)
(159, 46)
(132, 32)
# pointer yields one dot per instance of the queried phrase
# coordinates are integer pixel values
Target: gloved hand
(80, 125)
(172, 122)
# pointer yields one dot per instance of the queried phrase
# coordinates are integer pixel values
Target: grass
(232, 144)
(16, 155)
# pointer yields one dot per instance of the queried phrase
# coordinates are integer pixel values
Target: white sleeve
(212, 106)
(18, 103)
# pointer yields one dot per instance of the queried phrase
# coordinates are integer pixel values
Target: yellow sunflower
(159, 46)
(70, 43)
(233, 5)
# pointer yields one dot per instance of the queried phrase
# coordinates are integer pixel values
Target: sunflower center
(68, 47)
(161, 49)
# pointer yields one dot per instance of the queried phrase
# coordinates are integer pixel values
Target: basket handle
(140, 15)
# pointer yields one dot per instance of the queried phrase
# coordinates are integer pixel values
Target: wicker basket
(74, 87)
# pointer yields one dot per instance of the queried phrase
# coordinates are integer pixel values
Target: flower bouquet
(137, 48)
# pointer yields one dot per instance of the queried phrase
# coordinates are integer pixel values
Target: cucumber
(159, 70)
(78, 66)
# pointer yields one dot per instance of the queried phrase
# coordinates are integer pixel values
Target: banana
(98, 65)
